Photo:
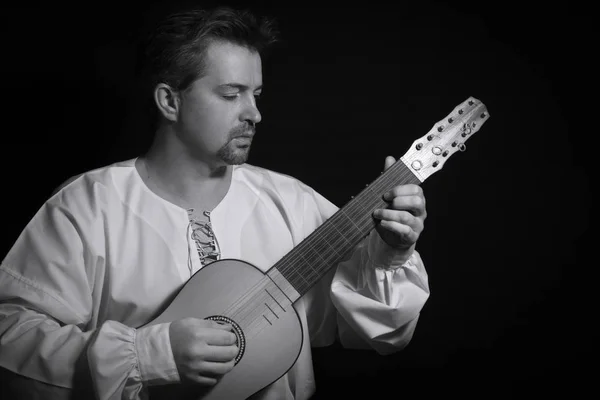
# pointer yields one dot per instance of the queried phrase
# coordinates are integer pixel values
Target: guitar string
(362, 204)
(294, 257)
(259, 286)
(258, 291)
(288, 263)
(326, 259)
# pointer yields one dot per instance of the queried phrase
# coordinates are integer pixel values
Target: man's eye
(230, 96)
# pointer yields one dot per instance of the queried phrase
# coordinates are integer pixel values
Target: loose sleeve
(371, 299)
(125, 361)
(48, 316)
(378, 300)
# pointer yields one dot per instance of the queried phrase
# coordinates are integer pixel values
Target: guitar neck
(301, 268)
(328, 244)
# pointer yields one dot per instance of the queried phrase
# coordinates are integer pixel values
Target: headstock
(429, 153)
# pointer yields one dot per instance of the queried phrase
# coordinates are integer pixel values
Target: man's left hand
(401, 224)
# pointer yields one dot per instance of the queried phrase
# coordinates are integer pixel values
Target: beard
(234, 153)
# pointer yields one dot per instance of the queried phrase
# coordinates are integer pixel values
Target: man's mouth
(243, 140)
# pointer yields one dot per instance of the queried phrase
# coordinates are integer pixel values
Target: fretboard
(328, 244)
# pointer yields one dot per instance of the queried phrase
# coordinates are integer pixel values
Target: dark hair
(174, 51)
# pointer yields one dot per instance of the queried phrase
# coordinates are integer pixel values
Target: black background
(505, 244)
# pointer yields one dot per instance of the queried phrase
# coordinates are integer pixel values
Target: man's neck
(183, 179)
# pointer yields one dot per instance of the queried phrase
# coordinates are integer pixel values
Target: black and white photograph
(296, 200)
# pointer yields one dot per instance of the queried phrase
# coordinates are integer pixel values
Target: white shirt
(105, 253)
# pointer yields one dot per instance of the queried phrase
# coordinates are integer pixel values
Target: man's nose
(250, 112)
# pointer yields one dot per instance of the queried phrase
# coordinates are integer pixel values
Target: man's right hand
(204, 350)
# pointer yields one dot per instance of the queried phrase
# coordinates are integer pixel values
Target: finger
(389, 161)
(215, 369)
(413, 204)
(221, 353)
(215, 337)
(404, 217)
(405, 231)
(207, 323)
(404, 190)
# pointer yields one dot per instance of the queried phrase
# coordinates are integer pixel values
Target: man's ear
(167, 101)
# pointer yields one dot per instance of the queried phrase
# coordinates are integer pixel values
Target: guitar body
(269, 341)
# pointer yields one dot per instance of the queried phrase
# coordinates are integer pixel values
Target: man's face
(218, 112)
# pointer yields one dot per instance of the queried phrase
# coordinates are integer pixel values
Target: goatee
(232, 153)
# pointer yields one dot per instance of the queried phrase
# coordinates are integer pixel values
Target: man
(112, 247)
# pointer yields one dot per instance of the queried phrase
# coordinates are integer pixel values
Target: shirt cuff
(155, 358)
(383, 256)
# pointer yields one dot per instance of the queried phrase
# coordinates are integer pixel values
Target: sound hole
(237, 330)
